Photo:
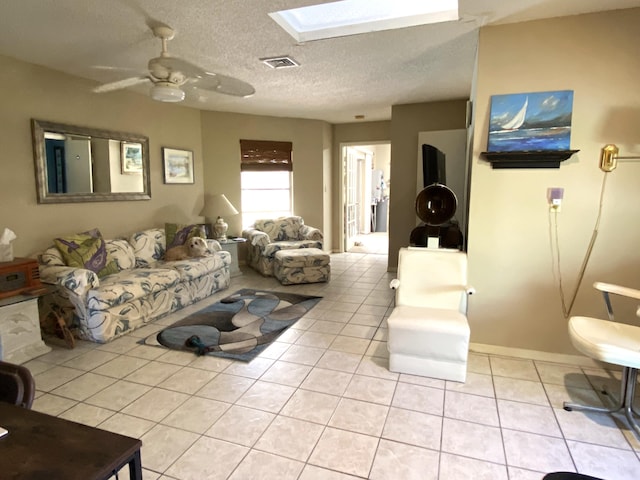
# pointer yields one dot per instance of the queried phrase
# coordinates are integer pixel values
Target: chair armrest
(395, 283)
(607, 288)
(310, 233)
(213, 245)
(617, 290)
(77, 281)
(256, 237)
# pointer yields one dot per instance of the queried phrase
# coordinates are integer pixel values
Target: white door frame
(350, 192)
(341, 190)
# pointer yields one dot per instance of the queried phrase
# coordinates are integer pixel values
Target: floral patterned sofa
(143, 287)
(266, 237)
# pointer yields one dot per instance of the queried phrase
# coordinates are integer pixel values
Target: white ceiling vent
(280, 62)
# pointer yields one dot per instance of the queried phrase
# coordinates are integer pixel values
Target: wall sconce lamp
(609, 158)
(218, 205)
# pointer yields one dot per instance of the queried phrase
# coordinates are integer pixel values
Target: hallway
(374, 243)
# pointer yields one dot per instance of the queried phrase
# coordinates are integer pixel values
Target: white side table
(20, 337)
(231, 246)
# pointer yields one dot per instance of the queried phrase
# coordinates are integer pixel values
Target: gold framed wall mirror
(79, 164)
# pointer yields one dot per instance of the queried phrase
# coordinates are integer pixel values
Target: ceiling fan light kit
(167, 92)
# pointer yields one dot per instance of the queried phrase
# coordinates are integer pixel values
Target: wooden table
(40, 446)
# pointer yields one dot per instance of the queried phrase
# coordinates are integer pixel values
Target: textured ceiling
(338, 78)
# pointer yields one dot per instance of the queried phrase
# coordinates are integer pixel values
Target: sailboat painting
(530, 121)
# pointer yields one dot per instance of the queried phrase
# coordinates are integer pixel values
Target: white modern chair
(428, 328)
(611, 342)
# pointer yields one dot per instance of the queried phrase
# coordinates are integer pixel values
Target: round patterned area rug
(239, 326)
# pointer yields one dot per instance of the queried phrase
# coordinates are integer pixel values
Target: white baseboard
(566, 359)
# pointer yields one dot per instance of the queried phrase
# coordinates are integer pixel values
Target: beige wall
(33, 92)
(221, 134)
(406, 122)
(510, 253)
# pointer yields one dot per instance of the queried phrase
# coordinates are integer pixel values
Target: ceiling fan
(171, 77)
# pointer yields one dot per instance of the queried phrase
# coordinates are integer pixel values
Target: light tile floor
(320, 403)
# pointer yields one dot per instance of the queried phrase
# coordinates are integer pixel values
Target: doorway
(366, 180)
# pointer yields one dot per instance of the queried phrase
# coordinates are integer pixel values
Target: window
(265, 195)
(265, 179)
(351, 17)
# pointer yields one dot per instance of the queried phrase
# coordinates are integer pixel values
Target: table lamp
(218, 205)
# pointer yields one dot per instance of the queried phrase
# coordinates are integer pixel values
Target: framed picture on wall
(131, 158)
(531, 121)
(178, 165)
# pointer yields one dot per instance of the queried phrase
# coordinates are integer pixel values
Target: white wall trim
(576, 360)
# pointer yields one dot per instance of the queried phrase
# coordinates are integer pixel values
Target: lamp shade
(217, 206)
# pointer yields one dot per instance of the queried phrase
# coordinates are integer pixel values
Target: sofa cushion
(193, 268)
(280, 229)
(86, 250)
(148, 246)
(302, 257)
(129, 285)
(121, 252)
(51, 257)
(271, 249)
(178, 234)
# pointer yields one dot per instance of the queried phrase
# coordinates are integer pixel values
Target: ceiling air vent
(280, 62)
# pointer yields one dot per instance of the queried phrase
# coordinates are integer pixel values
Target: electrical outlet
(554, 197)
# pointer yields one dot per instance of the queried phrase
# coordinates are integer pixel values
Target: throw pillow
(86, 250)
(178, 234)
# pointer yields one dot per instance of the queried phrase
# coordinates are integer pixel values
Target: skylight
(352, 17)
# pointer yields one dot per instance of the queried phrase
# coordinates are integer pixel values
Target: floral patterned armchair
(266, 237)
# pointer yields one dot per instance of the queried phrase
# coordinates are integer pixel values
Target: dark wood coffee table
(40, 446)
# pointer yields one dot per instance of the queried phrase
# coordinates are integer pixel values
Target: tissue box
(6, 253)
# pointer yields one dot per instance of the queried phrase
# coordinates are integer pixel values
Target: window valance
(261, 155)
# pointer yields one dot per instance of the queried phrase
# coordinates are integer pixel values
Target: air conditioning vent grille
(280, 62)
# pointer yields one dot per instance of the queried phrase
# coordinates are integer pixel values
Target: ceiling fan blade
(223, 84)
(124, 70)
(194, 94)
(127, 82)
(179, 65)
(207, 80)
